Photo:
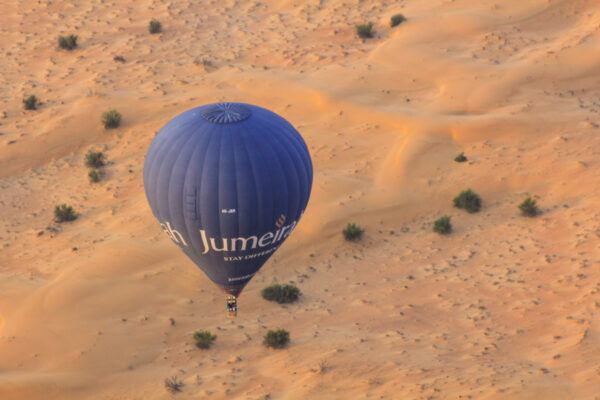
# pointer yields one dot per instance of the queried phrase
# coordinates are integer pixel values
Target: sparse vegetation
(95, 159)
(281, 293)
(468, 200)
(321, 368)
(529, 208)
(277, 339)
(31, 102)
(111, 119)
(365, 31)
(155, 26)
(204, 339)
(67, 42)
(119, 59)
(64, 213)
(396, 20)
(442, 225)
(95, 175)
(173, 384)
(352, 232)
(460, 157)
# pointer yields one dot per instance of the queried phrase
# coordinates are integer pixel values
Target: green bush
(277, 339)
(31, 102)
(281, 293)
(67, 42)
(397, 20)
(63, 213)
(365, 31)
(111, 119)
(204, 339)
(528, 207)
(94, 159)
(468, 200)
(173, 384)
(460, 158)
(352, 232)
(442, 225)
(155, 26)
(95, 175)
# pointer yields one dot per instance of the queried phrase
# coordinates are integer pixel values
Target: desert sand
(505, 307)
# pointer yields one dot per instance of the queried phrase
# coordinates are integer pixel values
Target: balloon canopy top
(226, 113)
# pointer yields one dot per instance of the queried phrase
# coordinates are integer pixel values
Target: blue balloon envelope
(228, 182)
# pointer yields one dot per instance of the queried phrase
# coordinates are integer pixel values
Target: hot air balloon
(228, 183)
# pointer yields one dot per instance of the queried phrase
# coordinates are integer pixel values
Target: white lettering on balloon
(233, 244)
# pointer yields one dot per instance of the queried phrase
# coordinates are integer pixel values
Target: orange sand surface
(505, 307)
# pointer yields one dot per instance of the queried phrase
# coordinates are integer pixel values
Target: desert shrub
(155, 26)
(321, 368)
(528, 207)
(95, 175)
(397, 19)
(204, 339)
(63, 213)
(460, 158)
(31, 102)
(468, 200)
(119, 59)
(111, 119)
(67, 42)
(95, 159)
(276, 339)
(173, 384)
(352, 232)
(442, 225)
(281, 293)
(365, 31)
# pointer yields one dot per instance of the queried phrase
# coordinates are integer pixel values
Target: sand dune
(505, 307)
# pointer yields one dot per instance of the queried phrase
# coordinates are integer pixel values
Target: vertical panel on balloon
(176, 191)
(228, 223)
(209, 199)
(192, 189)
(281, 182)
(298, 153)
(288, 167)
(247, 198)
(161, 172)
(264, 205)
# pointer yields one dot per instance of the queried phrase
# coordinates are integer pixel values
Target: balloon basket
(231, 306)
